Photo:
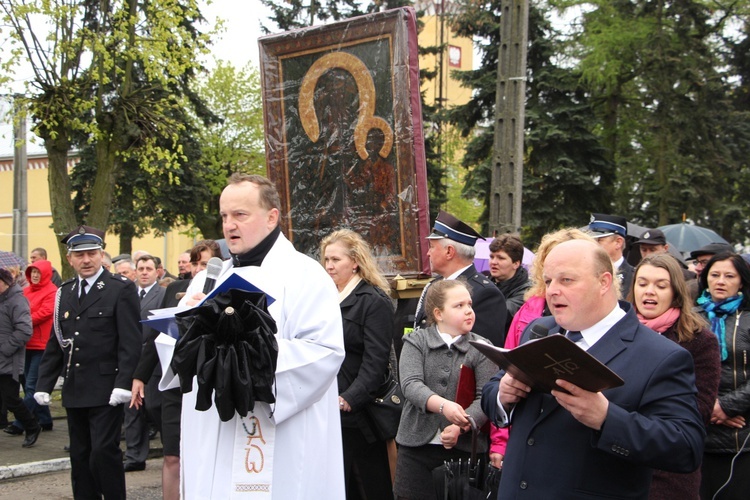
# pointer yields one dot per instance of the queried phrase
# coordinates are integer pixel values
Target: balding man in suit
(573, 443)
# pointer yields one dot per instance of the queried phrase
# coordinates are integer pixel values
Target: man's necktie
(83, 291)
(143, 293)
(574, 336)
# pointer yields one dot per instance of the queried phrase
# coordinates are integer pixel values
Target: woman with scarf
(41, 294)
(663, 303)
(725, 302)
(367, 315)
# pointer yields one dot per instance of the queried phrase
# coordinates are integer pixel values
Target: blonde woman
(367, 314)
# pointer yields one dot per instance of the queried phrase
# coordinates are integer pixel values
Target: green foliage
(564, 160)
(295, 14)
(665, 76)
(640, 108)
(111, 74)
(234, 143)
(215, 144)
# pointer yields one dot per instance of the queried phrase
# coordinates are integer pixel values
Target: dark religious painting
(344, 141)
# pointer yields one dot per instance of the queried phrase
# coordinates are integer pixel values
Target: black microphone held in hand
(538, 332)
(213, 270)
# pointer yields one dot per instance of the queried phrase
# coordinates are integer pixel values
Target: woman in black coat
(663, 303)
(367, 314)
(725, 303)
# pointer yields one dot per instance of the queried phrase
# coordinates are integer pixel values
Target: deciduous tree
(106, 73)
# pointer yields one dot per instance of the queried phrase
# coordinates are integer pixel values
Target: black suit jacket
(106, 342)
(626, 273)
(152, 300)
(489, 307)
(149, 357)
(367, 316)
(652, 422)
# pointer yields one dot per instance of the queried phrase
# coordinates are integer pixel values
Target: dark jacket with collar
(152, 300)
(149, 362)
(367, 315)
(15, 330)
(428, 366)
(734, 386)
(625, 272)
(652, 422)
(106, 338)
(514, 289)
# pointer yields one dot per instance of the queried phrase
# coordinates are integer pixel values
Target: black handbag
(384, 411)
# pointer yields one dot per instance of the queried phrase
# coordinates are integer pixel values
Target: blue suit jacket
(652, 421)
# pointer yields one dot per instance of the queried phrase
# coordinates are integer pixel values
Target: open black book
(538, 363)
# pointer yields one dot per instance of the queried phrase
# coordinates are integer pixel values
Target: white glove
(41, 398)
(119, 396)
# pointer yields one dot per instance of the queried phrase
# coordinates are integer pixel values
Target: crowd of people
(675, 328)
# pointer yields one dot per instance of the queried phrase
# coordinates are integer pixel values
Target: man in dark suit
(451, 256)
(610, 232)
(580, 444)
(96, 344)
(136, 419)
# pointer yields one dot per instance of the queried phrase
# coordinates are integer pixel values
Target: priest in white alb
(290, 449)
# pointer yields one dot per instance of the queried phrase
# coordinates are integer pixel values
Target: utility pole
(20, 193)
(507, 164)
(440, 101)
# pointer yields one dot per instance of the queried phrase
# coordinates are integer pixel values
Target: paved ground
(145, 485)
(43, 471)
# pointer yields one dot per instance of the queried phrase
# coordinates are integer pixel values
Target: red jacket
(41, 297)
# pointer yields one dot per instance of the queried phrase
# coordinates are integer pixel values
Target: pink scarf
(661, 323)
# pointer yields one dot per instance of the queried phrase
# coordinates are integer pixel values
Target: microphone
(213, 270)
(538, 332)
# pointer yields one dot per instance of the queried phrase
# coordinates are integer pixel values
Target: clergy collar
(255, 256)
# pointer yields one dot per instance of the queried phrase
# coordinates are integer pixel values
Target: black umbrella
(688, 237)
(467, 479)
(229, 343)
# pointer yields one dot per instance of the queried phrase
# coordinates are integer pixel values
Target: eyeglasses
(702, 262)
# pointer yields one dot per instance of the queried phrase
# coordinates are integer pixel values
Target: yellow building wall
(452, 146)
(452, 91)
(40, 233)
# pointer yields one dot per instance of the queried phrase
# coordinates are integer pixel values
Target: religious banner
(344, 141)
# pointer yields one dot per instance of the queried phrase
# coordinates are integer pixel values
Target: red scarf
(661, 323)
